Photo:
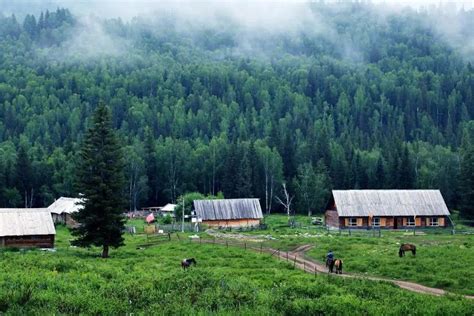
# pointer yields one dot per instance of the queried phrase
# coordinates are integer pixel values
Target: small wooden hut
(393, 209)
(229, 212)
(63, 208)
(26, 228)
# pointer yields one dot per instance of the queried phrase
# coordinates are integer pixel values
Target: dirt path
(299, 260)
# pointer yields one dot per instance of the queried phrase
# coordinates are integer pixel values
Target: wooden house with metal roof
(229, 212)
(26, 228)
(395, 209)
(63, 208)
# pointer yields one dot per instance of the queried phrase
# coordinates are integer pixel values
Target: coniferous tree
(406, 170)
(466, 185)
(24, 176)
(100, 181)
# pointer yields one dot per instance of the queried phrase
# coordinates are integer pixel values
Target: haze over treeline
(236, 98)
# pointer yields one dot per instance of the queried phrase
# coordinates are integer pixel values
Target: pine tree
(151, 166)
(406, 170)
(24, 176)
(100, 180)
(466, 181)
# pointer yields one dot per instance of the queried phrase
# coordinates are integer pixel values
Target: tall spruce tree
(100, 180)
(466, 183)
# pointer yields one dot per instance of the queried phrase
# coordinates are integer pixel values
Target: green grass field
(442, 260)
(225, 281)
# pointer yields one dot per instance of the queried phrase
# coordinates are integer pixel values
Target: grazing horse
(337, 263)
(407, 247)
(186, 263)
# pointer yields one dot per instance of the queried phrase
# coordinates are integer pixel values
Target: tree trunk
(105, 251)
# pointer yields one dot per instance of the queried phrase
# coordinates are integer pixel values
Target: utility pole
(182, 218)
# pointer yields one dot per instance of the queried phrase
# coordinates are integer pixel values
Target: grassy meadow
(225, 281)
(442, 260)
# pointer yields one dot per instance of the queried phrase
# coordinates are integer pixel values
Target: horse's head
(192, 260)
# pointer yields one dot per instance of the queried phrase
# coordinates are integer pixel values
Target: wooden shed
(26, 228)
(229, 212)
(392, 209)
(62, 209)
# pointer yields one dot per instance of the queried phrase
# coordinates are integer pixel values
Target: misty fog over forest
(239, 98)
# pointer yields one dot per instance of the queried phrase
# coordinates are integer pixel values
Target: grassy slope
(225, 281)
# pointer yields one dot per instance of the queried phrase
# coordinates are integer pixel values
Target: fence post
(245, 246)
(380, 233)
(287, 255)
(304, 266)
(414, 234)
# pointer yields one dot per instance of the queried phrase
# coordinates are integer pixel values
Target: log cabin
(388, 209)
(26, 228)
(225, 213)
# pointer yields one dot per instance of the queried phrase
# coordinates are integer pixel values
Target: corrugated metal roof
(26, 222)
(389, 203)
(65, 205)
(228, 209)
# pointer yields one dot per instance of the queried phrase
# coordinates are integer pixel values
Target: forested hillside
(350, 97)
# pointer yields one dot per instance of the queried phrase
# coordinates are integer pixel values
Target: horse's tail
(414, 250)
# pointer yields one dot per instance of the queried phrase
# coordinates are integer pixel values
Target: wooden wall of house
(331, 218)
(233, 223)
(38, 241)
(389, 222)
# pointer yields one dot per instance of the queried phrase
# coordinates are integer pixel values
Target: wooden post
(380, 233)
(169, 236)
(304, 266)
(245, 245)
(287, 255)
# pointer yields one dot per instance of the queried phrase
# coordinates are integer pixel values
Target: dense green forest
(361, 99)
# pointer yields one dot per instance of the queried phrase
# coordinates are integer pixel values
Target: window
(352, 221)
(434, 221)
(376, 221)
(411, 221)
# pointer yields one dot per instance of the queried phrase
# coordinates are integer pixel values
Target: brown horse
(407, 247)
(336, 263)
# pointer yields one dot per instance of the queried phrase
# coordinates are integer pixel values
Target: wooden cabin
(63, 208)
(229, 212)
(390, 209)
(26, 228)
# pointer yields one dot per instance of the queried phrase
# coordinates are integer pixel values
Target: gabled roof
(228, 209)
(65, 205)
(26, 222)
(168, 208)
(389, 203)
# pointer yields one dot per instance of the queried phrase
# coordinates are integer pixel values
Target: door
(395, 223)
